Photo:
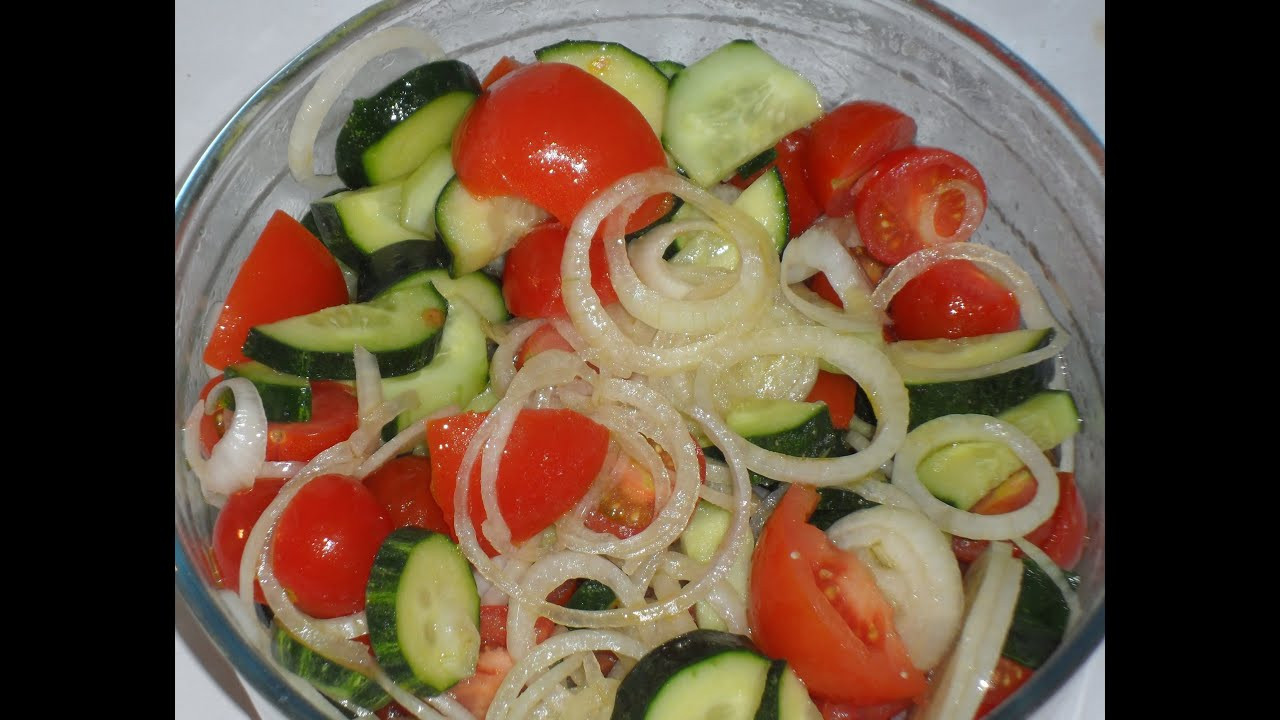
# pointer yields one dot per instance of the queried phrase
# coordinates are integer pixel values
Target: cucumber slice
(394, 263)
(479, 230)
(756, 164)
(765, 200)
(423, 611)
(835, 503)
(421, 190)
(592, 595)
(731, 106)
(700, 675)
(389, 135)
(785, 697)
(621, 68)
(401, 329)
(357, 223)
(336, 681)
(285, 398)
(1039, 619)
(916, 358)
(798, 429)
(1049, 418)
(669, 67)
(701, 540)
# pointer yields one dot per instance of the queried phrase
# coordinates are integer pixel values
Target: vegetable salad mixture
(613, 388)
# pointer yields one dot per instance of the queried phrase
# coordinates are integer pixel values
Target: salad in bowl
(598, 381)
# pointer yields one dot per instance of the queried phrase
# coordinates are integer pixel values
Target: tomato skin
(839, 392)
(953, 299)
(500, 69)
(549, 463)
(476, 693)
(1005, 681)
(289, 272)
(531, 281)
(556, 135)
(403, 486)
(1061, 537)
(911, 188)
(628, 507)
(325, 544)
(493, 627)
(834, 710)
(845, 143)
(819, 608)
(334, 416)
(543, 339)
(801, 206)
(235, 522)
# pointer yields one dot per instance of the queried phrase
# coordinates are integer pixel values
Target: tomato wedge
(531, 281)
(819, 608)
(556, 135)
(289, 272)
(916, 197)
(1005, 681)
(550, 461)
(845, 143)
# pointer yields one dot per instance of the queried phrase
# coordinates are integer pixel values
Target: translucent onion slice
(873, 371)
(991, 594)
(912, 562)
(646, 255)
(549, 573)
(233, 465)
(503, 366)
(552, 651)
(818, 250)
(338, 73)
(950, 429)
(974, 207)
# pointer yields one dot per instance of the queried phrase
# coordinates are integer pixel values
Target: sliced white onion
(991, 595)
(233, 465)
(338, 73)
(975, 206)
(967, 428)
(549, 573)
(912, 562)
(818, 250)
(503, 366)
(282, 469)
(552, 651)
(873, 371)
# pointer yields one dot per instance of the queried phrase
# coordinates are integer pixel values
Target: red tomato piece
(953, 299)
(839, 392)
(476, 693)
(819, 608)
(403, 486)
(834, 710)
(556, 135)
(493, 627)
(801, 206)
(628, 506)
(289, 272)
(235, 522)
(334, 416)
(504, 65)
(1061, 537)
(542, 339)
(325, 544)
(1005, 681)
(915, 197)
(550, 461)
(845, 143)
(531, 280)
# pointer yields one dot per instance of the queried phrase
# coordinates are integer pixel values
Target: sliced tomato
(549, 462)
(839, 392)
(1005, 681)
(953, 299)
(504, 65)
(334, 416)
(628, 506)
(542, 339)
(1061, 537)
(289, 272)
(531, 281)
(834, 710)
(476, 693)
(403, 486)
(819, 608)
(845, 143)
(790, 161)
(915, 197)
(493, 627)
(556, 135)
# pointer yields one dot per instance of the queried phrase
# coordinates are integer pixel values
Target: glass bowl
(1042, 165)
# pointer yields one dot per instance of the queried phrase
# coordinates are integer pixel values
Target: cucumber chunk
(421, 190)
(701, 675)
(669, 67)
(394, 263)
(389, 135)
(1039, 619)
(357, 223)
(478, 230)
(701, 540)
(285, 398)
(799, 429)
(340, 683)
(915, 359)
(732, 105)
(835, 503)
(423, 611)
(401, 329)
(1048, 418)
(785, 697)
(765, 201)
(621, 68)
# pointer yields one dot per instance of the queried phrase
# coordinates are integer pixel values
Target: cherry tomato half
(531, 280)
(953, 299)
(403, 486)
(555, 135)
(235, 522)
(1061, 537)
(325, 544)
(915, 197)
(845, 143)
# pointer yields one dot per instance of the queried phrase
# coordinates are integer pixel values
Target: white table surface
(223, 49)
